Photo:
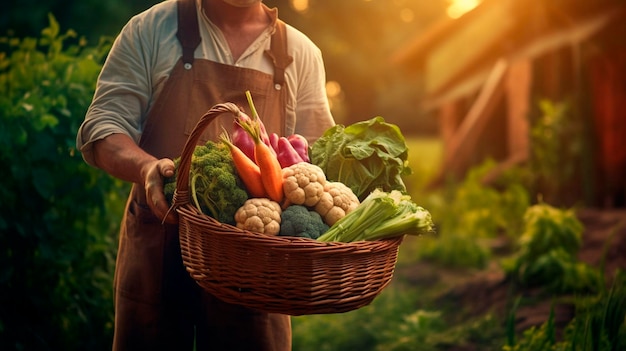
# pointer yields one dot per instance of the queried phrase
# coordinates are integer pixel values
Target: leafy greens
(366, 155)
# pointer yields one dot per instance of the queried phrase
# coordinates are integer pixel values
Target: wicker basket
(294, 276)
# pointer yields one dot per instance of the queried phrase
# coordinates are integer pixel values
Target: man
(167, 67)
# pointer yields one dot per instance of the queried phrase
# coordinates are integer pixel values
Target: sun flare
(457, 8)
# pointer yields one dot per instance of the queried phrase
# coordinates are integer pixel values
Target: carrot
(248, 170)
(271, 171)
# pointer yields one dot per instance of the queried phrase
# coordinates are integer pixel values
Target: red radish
(286, 154)
(301, 145)
(241, 138)
(274, 141)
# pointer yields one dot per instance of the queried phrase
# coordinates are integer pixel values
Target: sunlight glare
(300, 5)
(333, 89)
(457, 8)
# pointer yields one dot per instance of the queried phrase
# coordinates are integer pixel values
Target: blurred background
(358, 39)
(426, 67)
(510, 109)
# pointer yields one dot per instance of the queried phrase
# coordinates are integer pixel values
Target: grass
(425, 155)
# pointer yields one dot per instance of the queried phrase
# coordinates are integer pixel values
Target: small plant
(558, 154)
(547, 253)
(471, 213)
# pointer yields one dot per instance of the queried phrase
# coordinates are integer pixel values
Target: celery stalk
(381, 215)
(415, 220)
(374, 209)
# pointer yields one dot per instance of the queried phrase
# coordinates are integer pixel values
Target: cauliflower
(259, 215)
(299, 221)
(336, 201)
(303, 184)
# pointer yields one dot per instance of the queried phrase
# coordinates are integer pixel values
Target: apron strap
(278, 53)
(189, 36)
(188, 31)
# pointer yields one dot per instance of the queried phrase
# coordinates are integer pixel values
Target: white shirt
(145, 52)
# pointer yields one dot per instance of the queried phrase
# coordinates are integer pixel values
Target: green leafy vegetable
(381, 215)
(365, 156)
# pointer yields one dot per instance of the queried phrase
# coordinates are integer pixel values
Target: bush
(58, 216)
(547, 253)
(471, 213)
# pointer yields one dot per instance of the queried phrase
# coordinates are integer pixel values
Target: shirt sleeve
(312, 111)
(124, 87)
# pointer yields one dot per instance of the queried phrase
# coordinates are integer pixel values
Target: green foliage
(92, 19)
(547, 252)
(486, 210)
(537, 338)
(471, 212)
(348, 331)
(57, 231)
(391, 322)
(454, 250)
(557, 152)
(548, 147)
(599, 325)
(395, 321)
(429, 330)
(416, 330)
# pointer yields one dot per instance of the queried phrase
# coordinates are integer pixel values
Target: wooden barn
(492, 74)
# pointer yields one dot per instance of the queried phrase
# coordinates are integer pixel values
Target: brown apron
(158, 306)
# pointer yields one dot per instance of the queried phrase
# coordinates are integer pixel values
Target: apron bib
(157, 303)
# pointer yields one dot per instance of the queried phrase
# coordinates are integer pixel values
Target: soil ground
(488, 291)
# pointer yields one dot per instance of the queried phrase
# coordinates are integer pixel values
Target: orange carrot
(248, 170)
(271, 171)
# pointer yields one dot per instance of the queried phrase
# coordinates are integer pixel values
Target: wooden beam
(518, 90)
(465, 139)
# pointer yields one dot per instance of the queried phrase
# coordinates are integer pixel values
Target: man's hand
(119, 156)
(154, 172)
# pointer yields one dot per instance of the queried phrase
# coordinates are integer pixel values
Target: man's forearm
(119, 156)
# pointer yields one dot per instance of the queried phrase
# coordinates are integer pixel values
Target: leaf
(365, 155)
(48, 120)
(43, 181)
(53, 30)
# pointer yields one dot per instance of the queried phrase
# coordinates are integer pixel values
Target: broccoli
(299, 221)
(214, 185)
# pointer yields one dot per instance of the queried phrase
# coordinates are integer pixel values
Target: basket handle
(181, 194)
